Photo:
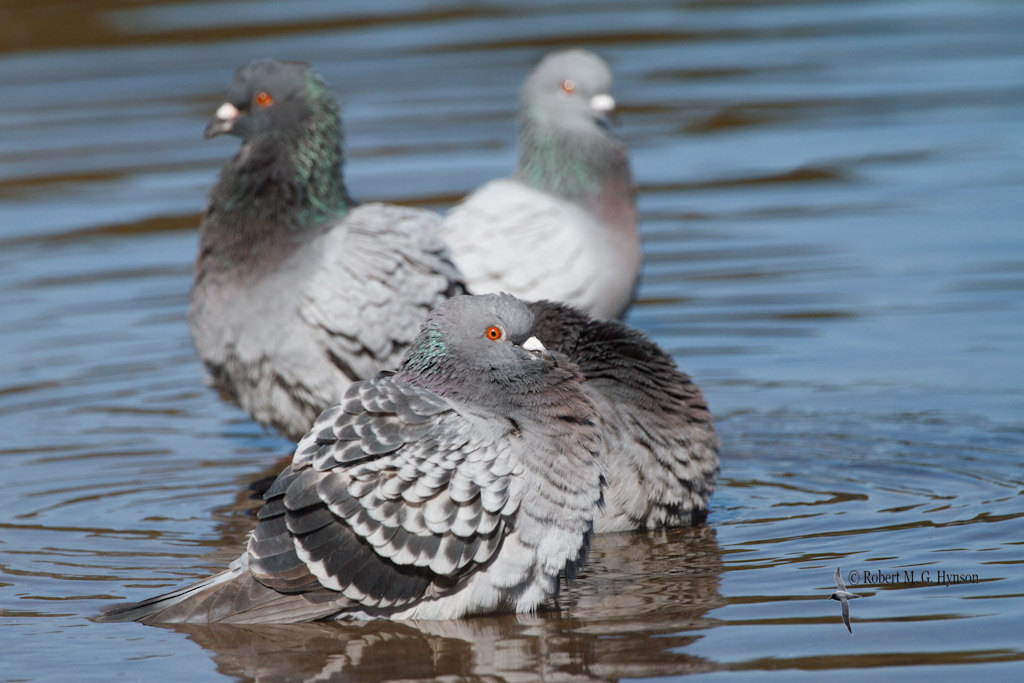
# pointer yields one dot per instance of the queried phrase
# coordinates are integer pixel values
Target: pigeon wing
(385, 270)
(392, 498)
(507, 237)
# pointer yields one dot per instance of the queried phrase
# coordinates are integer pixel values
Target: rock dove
(564, 226)
(463, 483)
(660, 445)
(298, 291)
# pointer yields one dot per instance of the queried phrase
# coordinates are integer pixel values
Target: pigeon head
(286, 180)
(479, 332)
(480, 347)
(290, 127)
(271, 97)
(565, 145)
(570, 89)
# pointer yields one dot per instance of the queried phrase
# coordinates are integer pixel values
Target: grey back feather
(659, 440)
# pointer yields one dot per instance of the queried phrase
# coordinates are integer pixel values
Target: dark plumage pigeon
(564, 226)
(464, 483)
(659, 442)
(299, 292)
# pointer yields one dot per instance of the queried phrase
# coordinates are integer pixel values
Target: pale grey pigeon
(564, 226)
(299, 292)
(464, 483)
(659, 441)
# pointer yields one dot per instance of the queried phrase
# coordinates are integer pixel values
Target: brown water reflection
(649, 586)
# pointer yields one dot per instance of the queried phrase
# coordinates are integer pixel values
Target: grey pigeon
(660, 445)
(299, 292)
(464, 483)
(564, 226)
(843, 596)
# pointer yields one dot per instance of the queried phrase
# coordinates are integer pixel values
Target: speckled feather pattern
(410, 503)
(659, 440)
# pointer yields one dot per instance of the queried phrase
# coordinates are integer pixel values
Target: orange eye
(568, 86)
(493, 333)
(263, 99)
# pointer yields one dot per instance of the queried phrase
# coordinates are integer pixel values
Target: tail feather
(233, 596)
(165, 607)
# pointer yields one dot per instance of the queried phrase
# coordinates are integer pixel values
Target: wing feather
(659, 437)
(373, 510)
(396, 269)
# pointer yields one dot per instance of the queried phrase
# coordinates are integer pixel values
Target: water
(831, 204)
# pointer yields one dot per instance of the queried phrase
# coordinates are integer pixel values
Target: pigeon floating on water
(464, 483)
(844, 597)
(299, 291)
(564, 226)
(659, 440)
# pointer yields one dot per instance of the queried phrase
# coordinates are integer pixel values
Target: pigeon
(659, 440)
(463, 483)
(298, 291)
(844, 597)
(564, 226)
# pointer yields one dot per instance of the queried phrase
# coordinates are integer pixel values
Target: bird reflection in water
(657, 587)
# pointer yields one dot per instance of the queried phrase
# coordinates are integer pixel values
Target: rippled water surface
(833, 214)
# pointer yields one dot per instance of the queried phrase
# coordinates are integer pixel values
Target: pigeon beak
(603, 105)
(223, 121)
(535, 348)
